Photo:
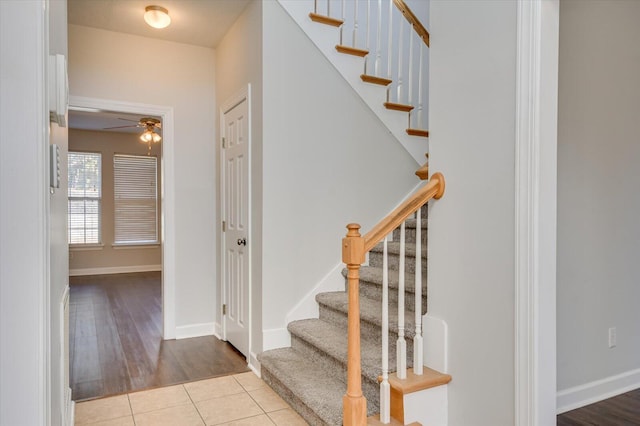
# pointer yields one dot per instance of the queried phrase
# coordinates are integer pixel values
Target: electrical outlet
(612, 337)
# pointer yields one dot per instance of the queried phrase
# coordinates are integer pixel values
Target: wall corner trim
(535, 211)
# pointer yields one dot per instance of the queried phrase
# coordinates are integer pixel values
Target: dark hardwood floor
(116, 346)
(622, 410)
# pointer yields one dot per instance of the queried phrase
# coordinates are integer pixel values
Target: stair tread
(318, 391)
(373, 275)
(418, 132)
(393, 247)
(332, 340)
(430, 378)
(367, 78)
(352, 50)
(327, 20)
(370, 311)
(398, 107)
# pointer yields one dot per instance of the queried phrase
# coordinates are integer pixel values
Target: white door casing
(167, 206)
(235, 215)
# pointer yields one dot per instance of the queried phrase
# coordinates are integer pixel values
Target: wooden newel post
(354, 404)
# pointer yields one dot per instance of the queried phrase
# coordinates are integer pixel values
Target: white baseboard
(254, 364)
(195, 330)
(308, 307)
(114, 270)
(276, 338)
(589, 393)
(435, 343)
(217, 330)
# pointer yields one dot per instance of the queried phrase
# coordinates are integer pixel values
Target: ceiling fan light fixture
(157, 16)
(147, 136)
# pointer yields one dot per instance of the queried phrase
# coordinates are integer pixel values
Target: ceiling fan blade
(117, 127)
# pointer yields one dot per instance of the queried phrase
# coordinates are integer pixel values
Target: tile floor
(239, 400)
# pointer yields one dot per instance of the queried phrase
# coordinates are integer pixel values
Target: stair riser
(370, 331)
(338, 370)
(374, 291)
(375, 259)
(284, 392)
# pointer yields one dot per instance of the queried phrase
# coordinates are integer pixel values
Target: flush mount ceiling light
(156, 16)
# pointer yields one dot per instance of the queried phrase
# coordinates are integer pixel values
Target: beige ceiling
(198, 22)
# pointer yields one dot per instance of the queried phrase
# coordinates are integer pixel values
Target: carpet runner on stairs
(311, 374)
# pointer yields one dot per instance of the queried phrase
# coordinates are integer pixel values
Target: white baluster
(328, 7)
(420, 88)
(417, 339)
(389, 46)
(355, 22)
(376, 68)
(368, 46)
(410, 89)
(368, 23)
(400, 53)
(343, 25)
(401, 343)
(385, 388)
(315, 6)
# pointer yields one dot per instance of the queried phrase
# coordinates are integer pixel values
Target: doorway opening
(115, 235)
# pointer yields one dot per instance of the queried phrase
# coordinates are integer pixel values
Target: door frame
(238, 97)
(535, 211)
(167, 206)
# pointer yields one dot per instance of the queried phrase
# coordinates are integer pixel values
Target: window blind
(85, 194)
(136, 199)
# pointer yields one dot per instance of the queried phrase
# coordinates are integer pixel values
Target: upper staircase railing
(394, 45)
(354, 249)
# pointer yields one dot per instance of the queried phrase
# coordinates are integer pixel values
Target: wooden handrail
(354, 247)
(413, 20)
(433, 189)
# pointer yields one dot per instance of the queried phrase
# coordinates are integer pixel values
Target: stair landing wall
(327, 161)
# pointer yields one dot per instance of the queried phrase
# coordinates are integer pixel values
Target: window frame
(86, 245)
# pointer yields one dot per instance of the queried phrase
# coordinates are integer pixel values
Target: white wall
(471, 229)
(420, 8)
(24, 227)
(238, 63)
(121, 67)
(327, 160)
(598, 179)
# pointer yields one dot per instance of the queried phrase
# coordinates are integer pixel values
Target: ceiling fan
(149, 125)
(144, 122)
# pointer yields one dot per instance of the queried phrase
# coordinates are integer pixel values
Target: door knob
(242, 241)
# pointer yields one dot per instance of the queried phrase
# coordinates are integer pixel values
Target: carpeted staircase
(311, 374)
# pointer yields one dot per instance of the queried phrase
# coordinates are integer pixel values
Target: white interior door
(236, 244)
